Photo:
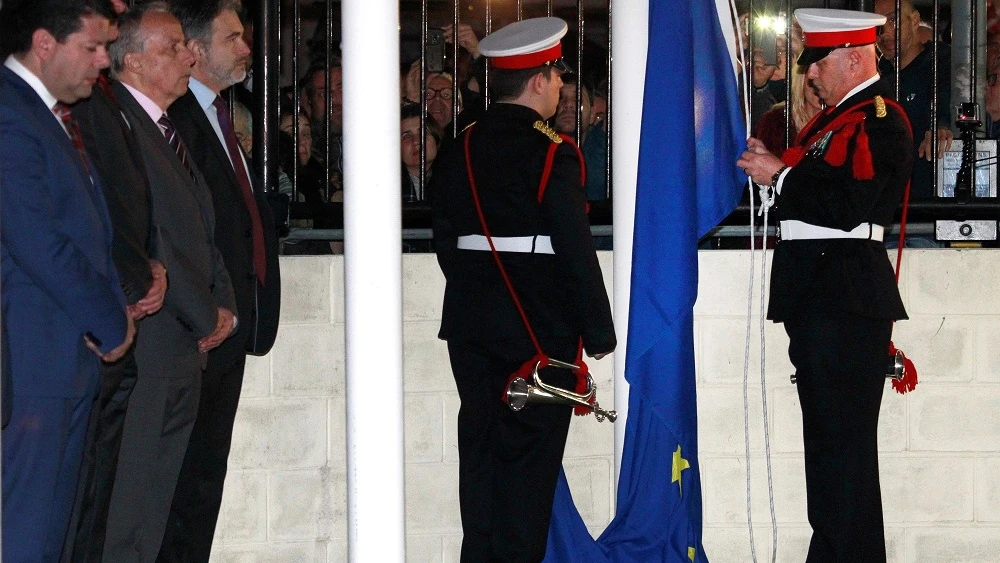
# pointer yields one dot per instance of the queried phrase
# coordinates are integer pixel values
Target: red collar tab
(839, 38)
(529, 60)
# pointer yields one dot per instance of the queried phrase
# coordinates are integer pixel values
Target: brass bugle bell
(895, 371)
(897, 366)
(520, 394)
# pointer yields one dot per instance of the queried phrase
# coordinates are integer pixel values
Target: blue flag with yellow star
(692, 134)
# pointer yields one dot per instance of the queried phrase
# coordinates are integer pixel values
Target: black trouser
(840, 365)
(85, 538)
(508, 461)
(194, 511)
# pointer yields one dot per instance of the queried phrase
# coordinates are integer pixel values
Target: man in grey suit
(151, 65)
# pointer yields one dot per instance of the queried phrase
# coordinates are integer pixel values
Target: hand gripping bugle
(520, 393)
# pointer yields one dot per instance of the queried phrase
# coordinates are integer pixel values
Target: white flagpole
(629, 19)
(372, 272)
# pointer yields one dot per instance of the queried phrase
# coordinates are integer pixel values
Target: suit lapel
(143, 124)
(190, 109)
(49, 125)
(47, 121)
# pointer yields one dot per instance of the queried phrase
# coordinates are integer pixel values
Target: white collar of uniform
(860, 87)
(36, 83)
(154, 111)
(204, 94)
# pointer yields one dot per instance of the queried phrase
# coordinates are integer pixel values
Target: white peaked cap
(526, 44)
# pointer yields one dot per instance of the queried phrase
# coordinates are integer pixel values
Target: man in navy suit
(63, 307)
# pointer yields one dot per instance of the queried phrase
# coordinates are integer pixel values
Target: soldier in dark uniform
(832, 284)
(509, 462)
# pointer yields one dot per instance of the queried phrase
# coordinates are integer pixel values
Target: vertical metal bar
(579, 72)
(328, 40)
(973, 79)
(748, 71)
(607, 110)
(789, 63)
(520, 12)
(266, 73)
(548, 8)
(897, 10)
(934, 100)
(454, 82)
(973, 67)
(423, 98)
(489, 66)
(296, 102)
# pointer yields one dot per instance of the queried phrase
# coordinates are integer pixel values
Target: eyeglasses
(443, 93)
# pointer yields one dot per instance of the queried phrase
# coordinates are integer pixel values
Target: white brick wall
(285, 499)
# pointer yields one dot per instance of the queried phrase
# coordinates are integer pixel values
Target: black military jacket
(843, 276)
(563, 293)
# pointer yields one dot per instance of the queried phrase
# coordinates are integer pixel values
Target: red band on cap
(528, 60)
(839, 38)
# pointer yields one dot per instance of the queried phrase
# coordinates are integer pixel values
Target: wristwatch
(777, 176)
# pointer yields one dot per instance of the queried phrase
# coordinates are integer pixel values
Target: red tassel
(581, 380)
(909, 381)
(793, 155)
(836, 153)
(863, 169)
(524, 372)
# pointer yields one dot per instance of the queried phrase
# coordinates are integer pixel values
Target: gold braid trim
(880, 107)
(548, 132)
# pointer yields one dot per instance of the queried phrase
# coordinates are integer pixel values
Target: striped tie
(175, 142)
(62, 111)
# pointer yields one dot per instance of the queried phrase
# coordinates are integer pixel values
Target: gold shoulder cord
(880, 107)
(548, 132)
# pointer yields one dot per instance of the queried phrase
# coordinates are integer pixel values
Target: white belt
(538, 244)
(797, 230)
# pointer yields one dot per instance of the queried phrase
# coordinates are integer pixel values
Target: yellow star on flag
(680, 464)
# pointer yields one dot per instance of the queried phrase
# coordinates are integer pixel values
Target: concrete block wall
(285, 500)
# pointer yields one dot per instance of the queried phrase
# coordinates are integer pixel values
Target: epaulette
(880, 111)
(548, 132)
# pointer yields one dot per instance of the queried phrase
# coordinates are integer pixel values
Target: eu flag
(692, 133)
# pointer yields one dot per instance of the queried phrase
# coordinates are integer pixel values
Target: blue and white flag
(692, 133)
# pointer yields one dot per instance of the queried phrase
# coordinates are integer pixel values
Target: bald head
(841, 71)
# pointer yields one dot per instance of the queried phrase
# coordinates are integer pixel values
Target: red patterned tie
(243, 179)
(62, 111)
(105, 85)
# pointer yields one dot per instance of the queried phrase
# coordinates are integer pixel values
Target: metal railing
(279, 23)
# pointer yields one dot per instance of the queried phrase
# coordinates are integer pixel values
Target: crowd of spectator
(445, 102)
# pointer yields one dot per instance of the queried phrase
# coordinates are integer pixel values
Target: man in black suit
(831, 282)
(509, 461)
(151, 65)
(113, 149)
(247, 239)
